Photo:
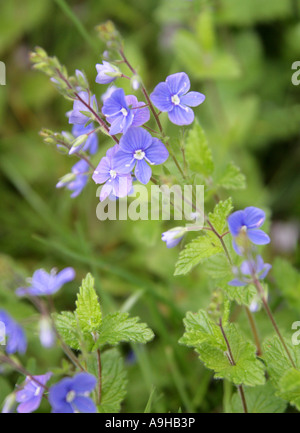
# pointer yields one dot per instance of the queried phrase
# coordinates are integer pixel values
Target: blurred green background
(239, 54)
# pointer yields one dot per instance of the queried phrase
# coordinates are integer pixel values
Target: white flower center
(175, 99)
(139, 154)
(37, 391)
(124, 112)
(71, 396)
(113, 174)
(244, 229)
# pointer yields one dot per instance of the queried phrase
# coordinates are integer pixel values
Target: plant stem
(261, 292)
(99, 375)
(254, 331)
(232, 362)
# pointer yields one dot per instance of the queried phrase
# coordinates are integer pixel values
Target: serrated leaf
(248, 370)
(88, 310)
(119, 327)
(289, 386)
(113, 380)
(232, 178)
(199, 249)
(241, 295)
(67, 326)
(197, 151)
(261, 399)
(199, 328)
(219, 216)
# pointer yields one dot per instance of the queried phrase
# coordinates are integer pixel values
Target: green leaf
(232, 178)
(119, 327)
(197, 151)
(219, 216)
(241, 295)
(113, 380)
(67, 326)
(88, 309)
(289, 386)
(199, 328)
(261, 399)
(200, 248)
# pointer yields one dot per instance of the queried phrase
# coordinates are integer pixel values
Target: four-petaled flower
(78, 181)
(115, 184)
(31, 395)
(76, 116)
(91, 143)
(138, 149)
(172, 96)
(250, 269)
(106, 73)
(173, 237)
(122, 112)
(71, 395)
(16, 338)
(244, 225)
(43, 283)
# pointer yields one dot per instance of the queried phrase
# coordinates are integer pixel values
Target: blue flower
(91, 143)
(172, 96)
(79, 179)
(138, 149)
(47, 334)
(71, 394)
(16, 338)
(106, 73)
(75, 116)
(117, 110)
(248, 269)
(244, 225)
(31, 395)
(44, 284)
(115, 184)
(173, 237)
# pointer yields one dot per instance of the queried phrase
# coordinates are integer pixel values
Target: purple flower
(44, 284)
(138, 149)
(91, 143)
(173, 237)
(115, 184)
(172, 96)
(31, 395)
(16, 338)
(75, 116)
(244, 225)
(248, 269)
(107, 73)
(117, 110)
(71, 394)
(78, 181)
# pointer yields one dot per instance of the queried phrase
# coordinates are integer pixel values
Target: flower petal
(83, 382)
(114, 103)
(122, 186)
(258, 237)
(30, 405)
(106, 190)
(85, 405)
(161, 97)
(157, 153)
(192, 99)
(65, 276)
(236, 283)
(265, 272)
(123, 162)
(181, 115)
(179, 84)
(101, 174)
(140, 115)
(143, 172)
(135, 139)
(254, 217)
(235, 222)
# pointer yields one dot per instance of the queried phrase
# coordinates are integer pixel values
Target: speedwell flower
(43, 283)
(31, 395)
(107, 73)
(118, 185)
(77, 180)
(172, 96)
(76, 116)
(122, 112)
(16, 338)
(244, 225)
(173, 237)
(138, 149)
(71, 394)
(248, 269)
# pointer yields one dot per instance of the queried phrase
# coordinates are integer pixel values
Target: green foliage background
(238, 53)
